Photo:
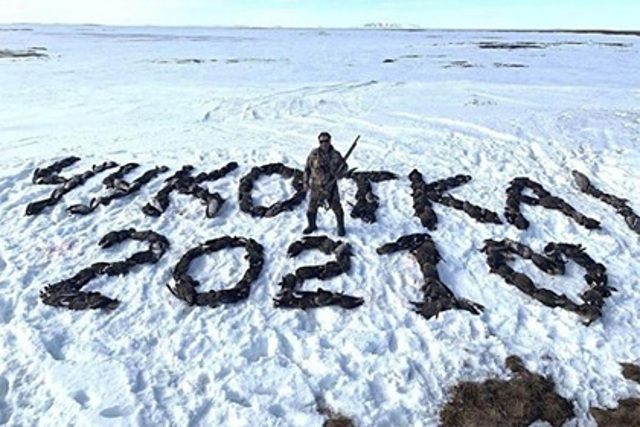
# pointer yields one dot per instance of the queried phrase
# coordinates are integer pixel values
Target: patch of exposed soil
(511, 45)
(334, 419)
(535, 45)
(461, 64)
(631, 372)
(338, 421)
(502, 65)
(627, 414)
(182, 61)
(21, 54)
(628, 411)
(391, 60)
(521, 401)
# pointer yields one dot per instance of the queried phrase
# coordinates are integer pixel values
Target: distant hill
(383, 25)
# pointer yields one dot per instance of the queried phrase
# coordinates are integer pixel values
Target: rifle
(334, 179)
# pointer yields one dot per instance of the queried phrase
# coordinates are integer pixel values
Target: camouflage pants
(318, 196)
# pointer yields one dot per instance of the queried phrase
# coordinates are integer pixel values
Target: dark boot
(311, 217)
(340, 220)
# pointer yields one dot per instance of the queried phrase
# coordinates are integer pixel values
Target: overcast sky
(602, 14)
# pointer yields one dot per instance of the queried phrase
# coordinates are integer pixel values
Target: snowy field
(491, 105)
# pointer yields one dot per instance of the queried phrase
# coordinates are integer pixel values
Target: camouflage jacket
(323, 168)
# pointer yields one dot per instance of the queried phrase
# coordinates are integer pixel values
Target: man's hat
(324, 135)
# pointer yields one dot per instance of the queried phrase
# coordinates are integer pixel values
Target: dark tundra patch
(213, 60)
(20, 54)
(334, 419)
(502, 65)
(510, 46)
(631, 372)
(628, 411)
(521, 401)
(338, 421)
(461, 64)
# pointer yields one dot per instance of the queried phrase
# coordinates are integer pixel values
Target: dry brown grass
(627, 414)
(628, 411)
(631, 372)
(334, 418)
(517, 402)
(338, 421)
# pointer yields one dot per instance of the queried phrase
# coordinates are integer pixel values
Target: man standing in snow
(325, 165)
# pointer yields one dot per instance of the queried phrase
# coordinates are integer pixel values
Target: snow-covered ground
(437, 101)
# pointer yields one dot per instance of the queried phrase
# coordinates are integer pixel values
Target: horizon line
(366, 27)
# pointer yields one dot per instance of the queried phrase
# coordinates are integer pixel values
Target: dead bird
(289, 282)
(581, 181)
(309, 272)
(214, 203)
(453, 202)
(35, 208)
(547, 297)
(273, 210)
(412, 241)
(121, 185)
(144, 257)
(343, 249)
(327, 246)
(49, 179)
(547, 265)
(589, 223)
(184, 289)
(388, 248)
(114, 237)
(118, 268)
(330, 270)
(53, 170)
(212, 245)
(504, 271)
(633, 222)
(428, 218)
(258, 211)
(99, 267)
(472, 210)
(552, 203)
(81, 209)
(88, 300)
(295, 249)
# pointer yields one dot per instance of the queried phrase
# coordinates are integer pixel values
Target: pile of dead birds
(620, 205)
(185, 285)
(67, 294)
(367, 202)
(289, 295)
(425, 194)
(50, 175)
(437, 297)
(544, 199)
(246, 185)
(184, 183)
(499, 253)
(119, 187)
(520, 401)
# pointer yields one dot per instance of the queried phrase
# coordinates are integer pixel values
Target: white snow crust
(208, 96)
